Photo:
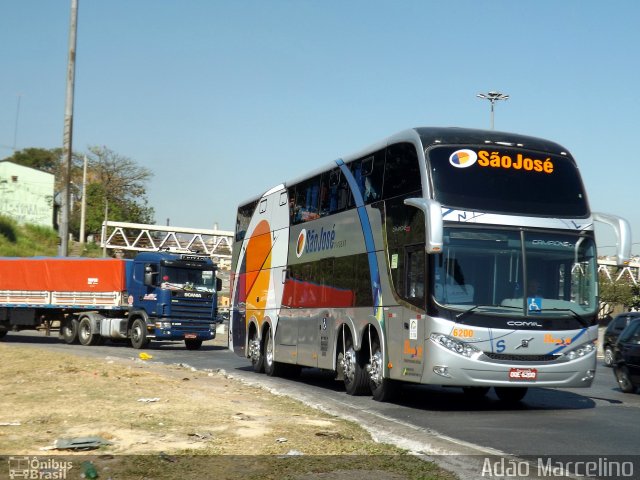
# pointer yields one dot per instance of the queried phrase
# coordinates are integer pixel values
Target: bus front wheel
(511, 394)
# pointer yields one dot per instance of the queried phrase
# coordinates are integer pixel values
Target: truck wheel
(85, 337)
(3, 332)
(192, 344)
(139, 334)
(69, 331)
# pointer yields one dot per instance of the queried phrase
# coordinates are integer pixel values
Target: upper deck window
(507, 180)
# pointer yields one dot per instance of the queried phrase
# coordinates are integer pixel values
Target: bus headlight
(462, 348)
(580, 351)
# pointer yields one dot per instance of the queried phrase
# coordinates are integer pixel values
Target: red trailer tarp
(63, 274)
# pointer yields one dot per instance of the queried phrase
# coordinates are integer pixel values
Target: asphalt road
(597, 422)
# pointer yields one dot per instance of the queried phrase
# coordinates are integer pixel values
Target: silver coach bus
(442, 256)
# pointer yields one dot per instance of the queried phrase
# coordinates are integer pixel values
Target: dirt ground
(161, 421)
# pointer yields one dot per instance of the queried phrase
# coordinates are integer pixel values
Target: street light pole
(493, 97)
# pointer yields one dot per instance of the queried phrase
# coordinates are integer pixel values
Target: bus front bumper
(445, 367)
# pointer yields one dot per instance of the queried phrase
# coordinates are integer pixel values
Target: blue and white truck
(156, 296)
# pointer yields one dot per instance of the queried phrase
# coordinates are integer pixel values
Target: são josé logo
(302, 240)
(463, 158)
(313, 241)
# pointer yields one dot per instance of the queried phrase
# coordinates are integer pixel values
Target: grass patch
(202, 425)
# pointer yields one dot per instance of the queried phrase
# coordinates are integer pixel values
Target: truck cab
(172, 297)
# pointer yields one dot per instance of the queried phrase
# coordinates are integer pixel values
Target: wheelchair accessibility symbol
(534, 304)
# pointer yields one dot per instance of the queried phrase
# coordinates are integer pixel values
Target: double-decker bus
(441, 256)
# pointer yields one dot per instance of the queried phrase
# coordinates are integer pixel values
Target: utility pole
(83, 203)
(493, 97)
(67, 143)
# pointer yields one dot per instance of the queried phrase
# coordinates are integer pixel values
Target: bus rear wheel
(354, 375)
(382, 389)
(256, 353)
(271, 367)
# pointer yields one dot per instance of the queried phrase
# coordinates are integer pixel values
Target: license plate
(523, 374)
(190, 335)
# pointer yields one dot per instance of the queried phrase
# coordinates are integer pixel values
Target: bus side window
(368, 173)
(334, 192)
(401, 170)
(373, 174)
(304, 203)
(243, 219)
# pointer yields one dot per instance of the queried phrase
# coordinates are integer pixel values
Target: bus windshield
(174, 278)
(523, 273)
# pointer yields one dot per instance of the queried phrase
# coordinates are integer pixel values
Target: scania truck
(156, 296)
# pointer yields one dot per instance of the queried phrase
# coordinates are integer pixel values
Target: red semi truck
(158, 295)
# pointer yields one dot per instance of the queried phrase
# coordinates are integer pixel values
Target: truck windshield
(174, 278)
(528, 273)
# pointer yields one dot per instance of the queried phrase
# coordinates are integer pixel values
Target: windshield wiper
(575, 314)
(481, 305)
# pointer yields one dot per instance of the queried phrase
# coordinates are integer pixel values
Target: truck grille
(192, 309)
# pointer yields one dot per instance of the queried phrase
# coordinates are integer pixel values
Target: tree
(619, 292)
(116, 189)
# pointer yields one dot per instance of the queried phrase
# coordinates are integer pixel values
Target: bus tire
(271, 367)
(85, 337)
(476, 393)
(139, 334)
(192, 343)
(355, 376)
(69, 331)
(382, 389)
(511, 394)
(256, 353)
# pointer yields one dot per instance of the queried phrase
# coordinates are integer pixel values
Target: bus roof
(428, 136)
(454, 135)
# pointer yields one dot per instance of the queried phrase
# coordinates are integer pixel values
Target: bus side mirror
(433, 225)
(218, 284)
(623, 235)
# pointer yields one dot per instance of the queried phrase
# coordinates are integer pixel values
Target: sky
(223, 99)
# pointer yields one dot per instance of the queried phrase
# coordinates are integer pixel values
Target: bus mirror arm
(623, 235)
(432, 222)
